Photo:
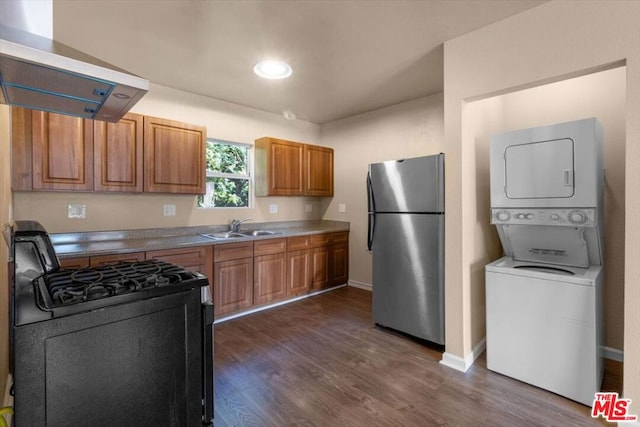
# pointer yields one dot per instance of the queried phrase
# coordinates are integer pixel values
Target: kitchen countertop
(96, 243)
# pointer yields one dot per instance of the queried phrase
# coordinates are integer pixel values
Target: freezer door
(409, 185)
(408, 279)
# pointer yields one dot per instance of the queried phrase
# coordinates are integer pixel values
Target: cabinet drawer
(319, 240)
(269, 246)
(97, 261)
(185, 257)
(80, 262)
(298, 243)
(229, 251)
(339, 237)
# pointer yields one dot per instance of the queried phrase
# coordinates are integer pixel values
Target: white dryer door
(539, 170)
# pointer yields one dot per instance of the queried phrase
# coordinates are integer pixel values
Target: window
(227, 175)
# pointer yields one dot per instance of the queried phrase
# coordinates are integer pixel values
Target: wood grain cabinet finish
(269, 274)
(62, 157)
(75, 262)
(101, 260)
(289, 168)
(319, 171)
(338, 258)
(56, 152)
(279, 167)
(174, 157)
(118, 161)
(232, 277)
(269, 270)
(298, 276)
(197, 258)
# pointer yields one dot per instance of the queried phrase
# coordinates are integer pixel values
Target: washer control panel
(572, 217)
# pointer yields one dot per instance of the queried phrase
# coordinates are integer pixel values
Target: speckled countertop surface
(109, 242)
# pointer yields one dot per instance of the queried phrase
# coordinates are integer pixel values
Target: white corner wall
(552, 42)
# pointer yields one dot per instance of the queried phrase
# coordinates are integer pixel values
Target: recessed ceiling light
(272, 69)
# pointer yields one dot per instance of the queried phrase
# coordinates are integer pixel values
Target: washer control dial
(503, 216)
(577, 217)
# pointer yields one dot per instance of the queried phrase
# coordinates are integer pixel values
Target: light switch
(273, 209)
(342, 207)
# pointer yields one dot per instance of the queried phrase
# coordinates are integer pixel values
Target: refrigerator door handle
(371, 216)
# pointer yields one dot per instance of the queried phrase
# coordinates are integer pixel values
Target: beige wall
(549, 43)
(405, 130)
(128, 211)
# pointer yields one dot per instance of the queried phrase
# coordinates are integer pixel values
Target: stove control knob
(555, 217)
(503, 216)
(529, 216)
(577, 217)
(520, 216)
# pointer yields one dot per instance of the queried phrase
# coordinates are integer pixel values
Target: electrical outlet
(308, 208)
(273, 209)
(169, 210)
(342, 207)
(77, 211)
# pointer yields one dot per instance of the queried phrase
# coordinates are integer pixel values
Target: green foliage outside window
(227, 175)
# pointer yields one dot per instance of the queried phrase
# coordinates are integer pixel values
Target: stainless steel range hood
(42, 74)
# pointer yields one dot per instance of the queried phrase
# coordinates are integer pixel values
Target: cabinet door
(79, 262)
(269, 278)
(319, 171)
(320, 268)
(62, 152)
(174, 157)
(279, 167)
(199, 258)
(118, 154)
(298, 272)
(97, 261)
(339, 264)
(232, 285)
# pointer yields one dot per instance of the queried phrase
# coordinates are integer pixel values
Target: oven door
(132, 364)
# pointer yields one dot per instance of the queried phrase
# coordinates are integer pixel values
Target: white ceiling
(348, 56)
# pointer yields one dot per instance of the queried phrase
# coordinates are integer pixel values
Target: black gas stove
(86, 343)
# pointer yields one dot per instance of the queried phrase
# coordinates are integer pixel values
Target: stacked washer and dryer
(543, 298)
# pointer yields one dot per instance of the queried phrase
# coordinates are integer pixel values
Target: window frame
(214, 174)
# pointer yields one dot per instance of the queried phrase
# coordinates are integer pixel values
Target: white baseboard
(613, 354)
(266, 307)
(463, 364)
(360, 285)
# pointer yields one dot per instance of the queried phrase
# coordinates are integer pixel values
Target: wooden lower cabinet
(320, 277)
(98, 261)
(338, 258)
(233, 285)
(269, 278)
(232, 277)
(198, 258)
(298, 279)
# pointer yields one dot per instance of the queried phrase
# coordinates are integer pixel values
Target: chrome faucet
(235, 224)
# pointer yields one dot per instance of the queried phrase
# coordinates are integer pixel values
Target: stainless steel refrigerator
(406, 237)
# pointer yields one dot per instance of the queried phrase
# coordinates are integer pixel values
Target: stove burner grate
(72, 286)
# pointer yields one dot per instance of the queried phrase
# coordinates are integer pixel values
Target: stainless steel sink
(225, 235)
(261, 233)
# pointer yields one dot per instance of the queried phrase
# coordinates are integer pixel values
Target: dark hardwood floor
(322, 362)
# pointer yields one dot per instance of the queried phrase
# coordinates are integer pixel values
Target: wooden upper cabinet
(118, 154)
(174, 157)
(288, 168)
(319, 176)
(62, 157)
(279, 167)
